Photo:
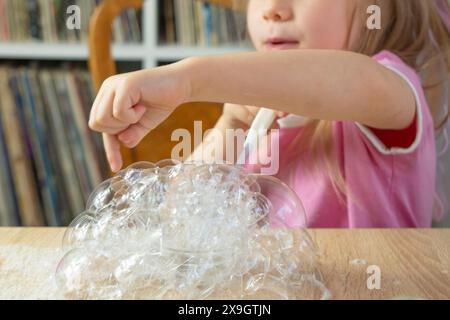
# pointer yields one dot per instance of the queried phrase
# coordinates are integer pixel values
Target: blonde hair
(414, 31)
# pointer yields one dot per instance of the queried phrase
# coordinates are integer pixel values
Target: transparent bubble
(287, 209)
(87, 275)
(189, 231)
(79, 231)
(100, 197)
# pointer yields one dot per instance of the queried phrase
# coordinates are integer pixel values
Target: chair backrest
(101, 62)
(157, 145)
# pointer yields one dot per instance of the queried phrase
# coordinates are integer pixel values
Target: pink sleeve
(390, 187)
(395, 64)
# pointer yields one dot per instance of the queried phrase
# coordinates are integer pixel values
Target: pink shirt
(391, 186)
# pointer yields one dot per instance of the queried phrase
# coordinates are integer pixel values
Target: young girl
(358, 108)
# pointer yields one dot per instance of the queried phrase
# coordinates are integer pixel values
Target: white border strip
(419, 125)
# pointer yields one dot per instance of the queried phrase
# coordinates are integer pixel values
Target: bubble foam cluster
(189, 231)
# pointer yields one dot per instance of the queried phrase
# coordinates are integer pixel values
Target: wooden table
(413, 263)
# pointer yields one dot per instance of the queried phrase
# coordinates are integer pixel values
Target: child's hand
(129, 106)
(239, 116)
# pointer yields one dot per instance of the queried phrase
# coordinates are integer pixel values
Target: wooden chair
(157, 145)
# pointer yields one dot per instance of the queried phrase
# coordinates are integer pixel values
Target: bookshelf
(52, 174)
(150, 52)
(148, 55)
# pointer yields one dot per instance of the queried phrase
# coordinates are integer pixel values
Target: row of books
(49, 159)
(193, 22)
(46, 20)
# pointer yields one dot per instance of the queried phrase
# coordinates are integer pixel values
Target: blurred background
(52, 62)
(49, 159)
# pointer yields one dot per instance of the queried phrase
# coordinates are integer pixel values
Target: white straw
(263, 121)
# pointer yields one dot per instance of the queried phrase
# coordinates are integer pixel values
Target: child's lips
(281, 43)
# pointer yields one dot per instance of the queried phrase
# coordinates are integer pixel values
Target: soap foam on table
(28, 273)
(190, 231)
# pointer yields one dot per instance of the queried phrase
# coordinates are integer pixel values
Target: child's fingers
(112, 149)
(114, 130)
(99, 99)
(253, 110)
(125, 106)
(98, 111)
(133, 135)
(117, 126)
(94, 107)
(102, 119)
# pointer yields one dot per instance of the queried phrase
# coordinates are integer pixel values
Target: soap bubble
(192, 231)
(87, 275)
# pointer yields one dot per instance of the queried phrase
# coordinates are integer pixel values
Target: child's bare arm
(320, 84)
